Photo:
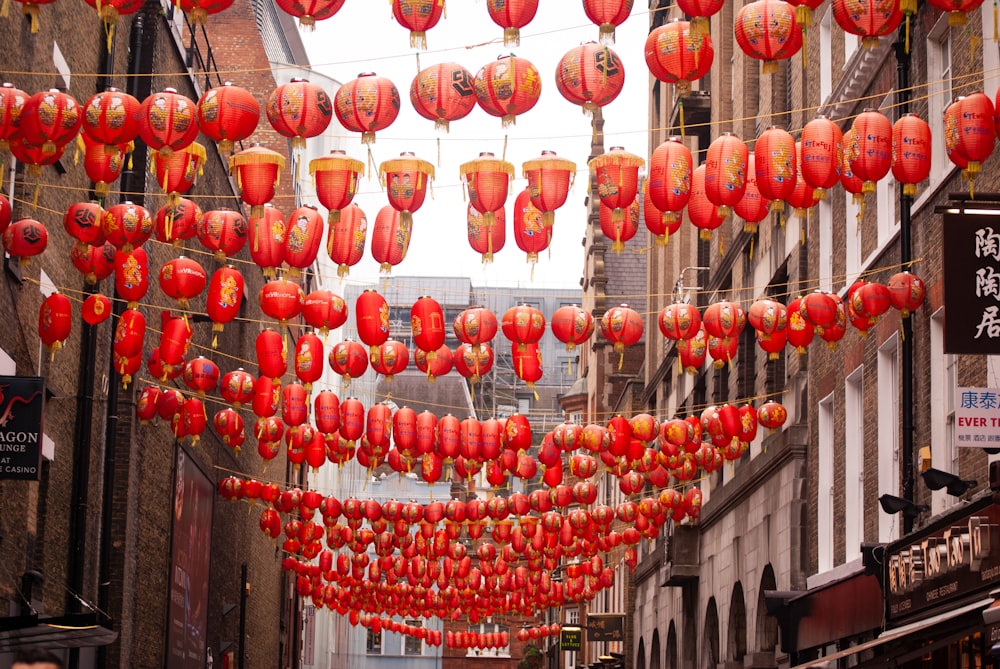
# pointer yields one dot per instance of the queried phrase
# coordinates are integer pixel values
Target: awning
(74, 630)
(900, 632)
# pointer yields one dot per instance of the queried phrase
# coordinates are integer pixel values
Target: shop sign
(570, 638)
(972, 283)
(21, 407)
(605, 627)
(977, 417)
(945, 565)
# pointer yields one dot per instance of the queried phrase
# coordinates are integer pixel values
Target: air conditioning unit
(681, 562)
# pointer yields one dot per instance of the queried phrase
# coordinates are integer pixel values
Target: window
(826, 49)
(413, 645)
(824, 479)
(825, 277)
(485, 628)
(944, 455)
(888, 434)
(991, 54)
(373, 644)
(854, 432)
(524, 405)
(939, 94)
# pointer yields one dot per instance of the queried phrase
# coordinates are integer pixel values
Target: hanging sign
(570, 638)
(605, 627)
(977, 417)
(21, 407)
(972, 283)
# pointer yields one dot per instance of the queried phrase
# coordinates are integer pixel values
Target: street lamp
(935, 479)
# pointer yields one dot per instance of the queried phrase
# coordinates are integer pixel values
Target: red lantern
(802, 198)
(111, 118)
(572, 325)
(427, 324)
(271, 354)
(55, 321)
(96, 309)
(622, 326)
(512, 15)
(390, 239)
(677, 54)
(726, 172)
(957, 9)
(911, 152)
(201, 375)
(872, 157)
(34, 156)
(906, 292)
(4, 213)
(591, 76)
(443, 93)
(868, 19)
(607, 15)
(372, 314)
(294, 404)
(175, 339)
(752, 207)
(309, 360)
(176, 173)
(487, 180)
(303, 234)
(434, 363)
(767, 316)
(127, 225)
(390, 358)
(182, 279)
(850, 181)
(336, 177)
(225, 295)
(236, 387)
(324, 311)
(483, 238)
(229, 425)
(327, 411)
(168, 121)
(310, 11)
(703, 214)
(523, 325)
(223, 232)
(768, 31)
(129, 334)
(822, 147)
(530, 232)
(348, 239)
(177, 222)
(257, 172)
(103, 164)
(724, 319)
(25, 238)
(669, 183)
(11, 107)
(82, 222)
(198, 10)
(367, 104)
(349, 359)
(969, 135)
(679, 321)
(700, 11)
(619, 231)
(799, 331)
(722, 350)
(228, 114)
(775, 166)
(299, 110)
(127, 368)
(281, 300)
(772, 415)
(267, 240)
(145, 407)
(549, 179)
(418, 16)
(472, 363)
(527, 363)
(352, 419)
(50, 119)
(617, 176)
(475, 326)
(819, 309)
(507, 87)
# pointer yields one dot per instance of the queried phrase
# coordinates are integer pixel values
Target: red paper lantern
(700, 11)
(127, 368)
(127, 225)
(257, 173)
(434, 363)
(236, 387)
(475, 326)
(299, 110)
(324, 311)
(177, 222)
(659, 224)
(822, 148)
(82, 222)
(957, 9)
(775, 165)
(4, 213)
(619, 232)
(767, 316)
(55, 321)
(572, 325)
(281, 300)
(271, 354)
(168, 121)
(607, 15)
(102, 164)
(911, 152)
(177, 172)
(768, 31)
(199, 10)
(175, 338)
(868, 19)
(228, 114)
(145, 407)
(836, 330)
(906, 292)
(669, 183)
(111, 118)
(390, 358)
(427, 324)
(512, 15)
(303, 234)
(549, 179)
(229, 425)
(367, 104)
(352, 420)
(969, 135)
(483, 238)
(266, 396)
(348, 239)
(819, 309)
(799, 331)
(372, 314)
(752, 207)
(12, 101)
(726, 172)
(390, 238)
(617, 176)
(50, 119)
(310, 11)
(223, 232)
(802, 198)
(443, 93)
(473, 363)
(201, 375)
(309, 360)
(703, 214)
(182, 279)
(530, 232)
(676, 53)
(267, 240)
(294, 407)
(848, 179)
(872, 157)
(591, 76)
(24, 239)
(772, 415)
(327, 411)
(349, 359)
(507, 87)
(724, 319)
(406, 179)
(527, 363)
(523, 325)
(622, 326)
(679, 321)
(96, 309)
(225, 296)
(129, 334)
(418, 16)
(691, 353)
(336, 176)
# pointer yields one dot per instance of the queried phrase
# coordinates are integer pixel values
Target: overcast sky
(364, 37)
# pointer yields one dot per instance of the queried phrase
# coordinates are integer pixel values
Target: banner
(605, 627)
(22, 399)
(972, 283)
(977, 417)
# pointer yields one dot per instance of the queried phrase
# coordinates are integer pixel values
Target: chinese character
(969, 400)
(987, 244)
(987, 283)
(990, 323)
(987, 400)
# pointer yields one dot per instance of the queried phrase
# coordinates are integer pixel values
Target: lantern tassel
(805, 50)
(680, 113)
(5, 10)
(32, 11)
(109, 31)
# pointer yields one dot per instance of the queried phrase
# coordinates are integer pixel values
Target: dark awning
(73, 630)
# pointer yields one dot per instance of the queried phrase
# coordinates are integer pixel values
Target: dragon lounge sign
(21, 402)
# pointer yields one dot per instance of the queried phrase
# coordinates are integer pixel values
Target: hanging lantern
(906, 292)
(722, 350)
(443, 93)
(691, 353)
(677, 54)
(96, 309)
(607, 15)
(25, 239)
(406, 179)
(55, 321)
(776, 166)
(475, 326)
(303, 234)
(418, 16)
(236, 387)
(225, 296)
(12, 101)
(487, 180)
(50, 119)
(281, 300)
(767, 30)
(700, 12)
(911, 152)
(804, 11)
(473, 364)
(299, 110)
(656, 221)
(132, 275)
(621, 231)
(523, 325)
(294, 406)
(129, 334)
(324, 311)
(168, 121)
(679, 320)
(850, 181)
(390, 239)
(145, 407)
(622, 326)
(591, 76)
(969, 135)
(257, 174)
(326, 410)
(367, 104)
(508, 87)
(127, 225)
(512, 15)
(175, 339)
(802, 198)
(96, 263)
(873, 156)
(228, 114)
(767, 316)
(527, 363)
(390, 358)
(177, 172)
(349, 359)
(199, 10)
(271, 354)
(836, 330)
(957, 9)
(822, 147)
(34, 156)
(617, 176)
(549, 180)
(82, 222)
(111, 118)
(752, 207)
(177, 222)
(347, 245)
(336, 177)
(819, 309)
(201, 375)
(572, 325)
(228, 424)
(724, 319)
(483, 238)
(799, 332)
(427, 324)
(434, 363)
(102, 167)
(772, 415)
(223, 232)
(267, 240)
(868, 19)
(669, 183)
(309, 360)
(128, 368)
(703, 214)
(530, 232)
(726, 172)
(182, 279)
(310, 11)
(371, 312)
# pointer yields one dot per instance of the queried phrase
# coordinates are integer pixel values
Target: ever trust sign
(21, 406)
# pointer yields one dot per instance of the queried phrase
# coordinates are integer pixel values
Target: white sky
(364, 37)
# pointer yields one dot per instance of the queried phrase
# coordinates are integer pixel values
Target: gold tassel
(996, 22)
(805, 50)
(680, 105)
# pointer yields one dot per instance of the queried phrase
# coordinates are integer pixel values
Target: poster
(21, 406)
(972, 283)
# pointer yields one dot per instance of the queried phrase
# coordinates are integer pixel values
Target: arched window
(710, 652)
(640, 658)
(672, 646)
(737, 633)
(654, 651)
(767, 626)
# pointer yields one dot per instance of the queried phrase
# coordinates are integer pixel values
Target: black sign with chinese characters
(972, 283)
(606, 627)
(21, 403)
